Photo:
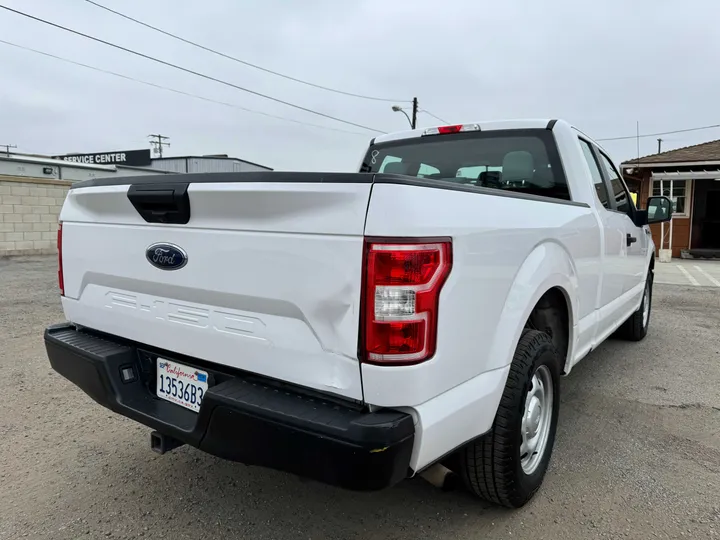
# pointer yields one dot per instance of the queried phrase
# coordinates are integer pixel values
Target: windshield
(519, 160)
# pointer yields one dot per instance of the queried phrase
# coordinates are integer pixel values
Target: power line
(238, 60)
(433, 115)
(186, 70)
(176, 91)
(660, 133)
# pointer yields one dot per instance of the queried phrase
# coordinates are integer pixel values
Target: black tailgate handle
(161, 203)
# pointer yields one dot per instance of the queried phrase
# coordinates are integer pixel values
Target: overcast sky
(601, 66)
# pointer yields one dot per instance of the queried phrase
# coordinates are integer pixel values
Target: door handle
(630, 239)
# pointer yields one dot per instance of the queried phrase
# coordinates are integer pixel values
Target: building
(32, 191)
(33, 188)
(183, 164)
(690, 177)
(205, 164)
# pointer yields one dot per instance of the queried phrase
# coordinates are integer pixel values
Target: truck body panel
(493, 237)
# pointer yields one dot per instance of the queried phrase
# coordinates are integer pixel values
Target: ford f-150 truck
(360, 328)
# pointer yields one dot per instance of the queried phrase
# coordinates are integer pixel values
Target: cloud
(602, 68)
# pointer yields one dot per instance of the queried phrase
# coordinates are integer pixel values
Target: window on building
(600, 187)
(676, 191)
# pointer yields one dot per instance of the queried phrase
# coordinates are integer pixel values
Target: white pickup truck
(359, 328)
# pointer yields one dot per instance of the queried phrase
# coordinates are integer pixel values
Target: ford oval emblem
(166, 256)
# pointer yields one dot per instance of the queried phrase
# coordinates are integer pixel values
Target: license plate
(181, 384)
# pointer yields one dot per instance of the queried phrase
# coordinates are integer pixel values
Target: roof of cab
(540, 123)
(484, 126)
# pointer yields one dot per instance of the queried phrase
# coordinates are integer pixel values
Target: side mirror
(659, 209)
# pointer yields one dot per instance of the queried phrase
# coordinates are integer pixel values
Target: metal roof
(211, 156)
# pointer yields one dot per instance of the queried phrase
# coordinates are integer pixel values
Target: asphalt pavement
(637, 452)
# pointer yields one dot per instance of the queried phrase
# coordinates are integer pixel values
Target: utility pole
(659, 145)
(157, 142)
(414, 113)
(7, 148)
(413, 121)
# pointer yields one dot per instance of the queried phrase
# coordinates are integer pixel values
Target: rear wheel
(507, 465)
(636, 327)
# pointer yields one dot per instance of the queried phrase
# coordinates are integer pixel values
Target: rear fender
(468, 410)
(548, 265)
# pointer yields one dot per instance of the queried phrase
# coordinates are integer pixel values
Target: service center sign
(131, 158)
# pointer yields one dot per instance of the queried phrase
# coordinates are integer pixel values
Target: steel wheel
(507, 464)
(537, 419)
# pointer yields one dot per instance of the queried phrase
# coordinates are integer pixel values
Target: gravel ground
(637, 452)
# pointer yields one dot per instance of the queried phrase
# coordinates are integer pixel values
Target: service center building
(33, 187)
(129, 158)
(98, 158)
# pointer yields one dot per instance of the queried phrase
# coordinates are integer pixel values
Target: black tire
(636, 327)
(491, 466)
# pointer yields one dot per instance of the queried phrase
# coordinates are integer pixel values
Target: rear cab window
(524, 161)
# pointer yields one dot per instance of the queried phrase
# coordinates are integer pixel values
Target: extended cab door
(636, 240)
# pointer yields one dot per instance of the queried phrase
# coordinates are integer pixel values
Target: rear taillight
(61, 280)
(401, 293)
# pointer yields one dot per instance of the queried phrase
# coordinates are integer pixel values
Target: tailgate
(271, 280)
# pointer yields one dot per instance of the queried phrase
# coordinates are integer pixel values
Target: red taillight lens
(411, 266)
(444, 130)
(61, 280)
(402, 290)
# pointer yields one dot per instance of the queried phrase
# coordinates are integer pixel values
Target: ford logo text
(166, 256)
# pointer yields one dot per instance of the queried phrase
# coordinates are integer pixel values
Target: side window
(600, 187)
(427, 170)
(620, 192)
(395, 165)
(387, 165)
(473, 172)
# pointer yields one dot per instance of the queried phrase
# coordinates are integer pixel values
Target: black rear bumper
(242, 418)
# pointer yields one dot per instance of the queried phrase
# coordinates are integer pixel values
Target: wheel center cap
(533, 417)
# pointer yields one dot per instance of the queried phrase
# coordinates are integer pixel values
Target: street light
(398, 108)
